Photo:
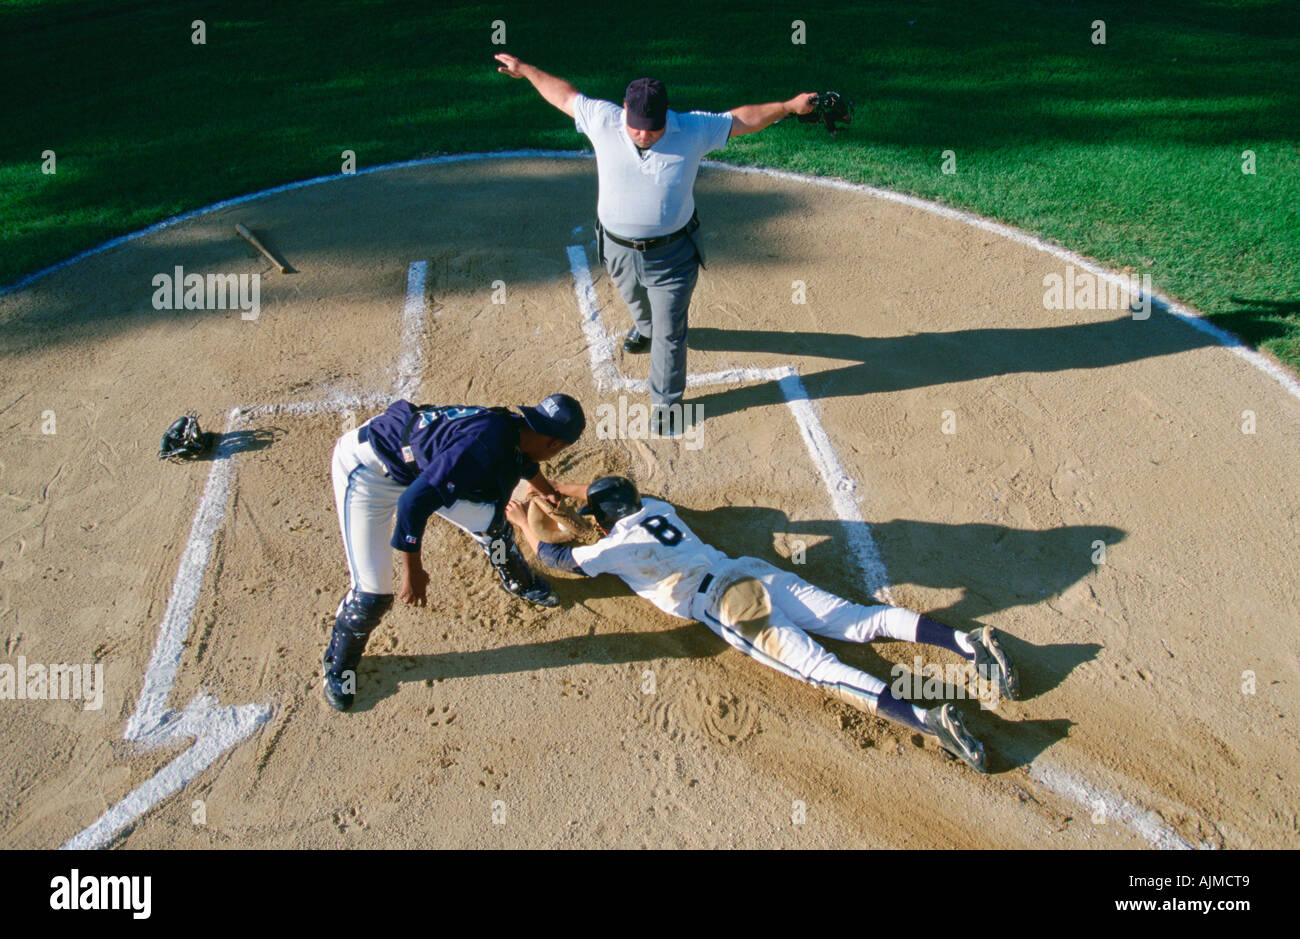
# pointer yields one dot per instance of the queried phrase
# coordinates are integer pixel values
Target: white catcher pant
(367, 505)
(800, 611)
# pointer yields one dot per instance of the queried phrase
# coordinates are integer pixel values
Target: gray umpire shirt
(651, 195)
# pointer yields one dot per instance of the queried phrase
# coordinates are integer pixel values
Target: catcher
(763, 611)
(410, 462)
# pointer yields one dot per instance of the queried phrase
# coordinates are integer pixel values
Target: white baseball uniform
(662, 560)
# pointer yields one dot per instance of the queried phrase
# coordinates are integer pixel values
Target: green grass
(1128, 152)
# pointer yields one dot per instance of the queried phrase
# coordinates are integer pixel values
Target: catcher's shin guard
(356, 619)
(508, 561)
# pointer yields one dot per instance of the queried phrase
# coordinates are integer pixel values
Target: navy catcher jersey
(451, 452)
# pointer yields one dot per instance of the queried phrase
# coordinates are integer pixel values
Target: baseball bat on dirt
(256, 243)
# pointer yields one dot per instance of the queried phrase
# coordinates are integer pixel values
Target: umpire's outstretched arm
(556, 91)
(751, 118)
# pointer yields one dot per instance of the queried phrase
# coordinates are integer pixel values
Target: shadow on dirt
(896, 363)
(381, 675)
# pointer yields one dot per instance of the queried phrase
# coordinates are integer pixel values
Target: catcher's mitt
(829, 108)
(556, 525)
(184, 439)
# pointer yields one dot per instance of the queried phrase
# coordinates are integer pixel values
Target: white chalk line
(842, 489)
(336, 405)
(600, 346)
(151, 708)
(839, 486)
(214, 728)
(410, 365)
(1183, 312)
(217, 728)
(1145, 823)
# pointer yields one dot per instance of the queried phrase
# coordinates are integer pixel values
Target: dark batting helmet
(610, 498)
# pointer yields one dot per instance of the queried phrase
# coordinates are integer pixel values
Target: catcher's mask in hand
(829, 108)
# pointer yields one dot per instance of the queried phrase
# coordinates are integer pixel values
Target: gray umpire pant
(656, 285)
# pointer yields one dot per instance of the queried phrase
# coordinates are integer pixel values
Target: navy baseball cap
(557, 416)
(647, 104)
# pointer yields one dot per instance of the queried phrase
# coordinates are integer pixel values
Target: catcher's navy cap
(647, 104)
(557, 416)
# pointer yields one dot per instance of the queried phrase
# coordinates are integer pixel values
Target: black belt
(704, 584)
(649, 244)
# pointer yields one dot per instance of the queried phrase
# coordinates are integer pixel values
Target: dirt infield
(1079, 479)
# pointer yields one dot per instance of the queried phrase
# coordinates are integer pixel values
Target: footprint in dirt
(348, 819)
(662, 715)
(720, 717)
(647, 458)
(729, 719)
(438, 718)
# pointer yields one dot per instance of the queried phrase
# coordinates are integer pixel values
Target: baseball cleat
(538, 591)
(991, 661)
(635, 343)
(337, 698)
(945, 723)
(540, 595)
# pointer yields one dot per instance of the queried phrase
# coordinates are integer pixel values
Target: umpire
(647, 158)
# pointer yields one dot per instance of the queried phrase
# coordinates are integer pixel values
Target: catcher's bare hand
(516, 513)
(509, 64)
(550, 498)
(414, 585)
(799, 104)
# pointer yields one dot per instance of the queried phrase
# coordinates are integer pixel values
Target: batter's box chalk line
(217, 728)
(839, 485)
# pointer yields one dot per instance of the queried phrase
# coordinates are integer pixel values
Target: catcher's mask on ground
(610, 498)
